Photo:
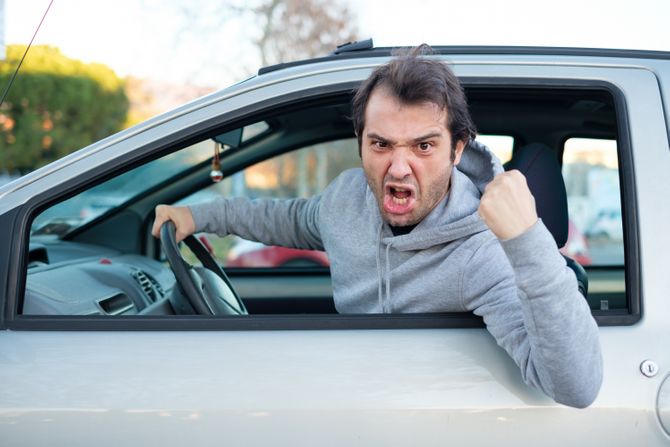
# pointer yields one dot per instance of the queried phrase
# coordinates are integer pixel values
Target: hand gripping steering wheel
(207, 288)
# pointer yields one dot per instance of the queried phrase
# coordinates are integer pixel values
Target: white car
(99, 344)
(606, 224)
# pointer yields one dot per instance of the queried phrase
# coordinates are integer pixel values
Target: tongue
(401, 194)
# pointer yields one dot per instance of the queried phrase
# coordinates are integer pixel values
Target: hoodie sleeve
(536, 313)
(290, 223)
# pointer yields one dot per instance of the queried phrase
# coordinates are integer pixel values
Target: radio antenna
(11, 81)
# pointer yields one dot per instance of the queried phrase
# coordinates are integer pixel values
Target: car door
(322, 379)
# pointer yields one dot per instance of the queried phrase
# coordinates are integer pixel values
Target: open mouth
(400, 195)
(399, 199)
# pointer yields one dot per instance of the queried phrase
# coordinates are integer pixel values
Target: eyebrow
(374, 136)
(428, 136)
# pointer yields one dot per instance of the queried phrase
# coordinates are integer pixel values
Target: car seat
(539, 164)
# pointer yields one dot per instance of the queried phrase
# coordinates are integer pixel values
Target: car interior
(92, 253)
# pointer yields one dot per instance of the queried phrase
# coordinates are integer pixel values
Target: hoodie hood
(456, 217)
(479, 164)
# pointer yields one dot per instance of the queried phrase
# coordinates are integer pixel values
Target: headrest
(543, 173)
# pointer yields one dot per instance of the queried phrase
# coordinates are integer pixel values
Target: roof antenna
(11, 81)
(358, 45)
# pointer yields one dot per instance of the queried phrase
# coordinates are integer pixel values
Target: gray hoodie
(450, 262)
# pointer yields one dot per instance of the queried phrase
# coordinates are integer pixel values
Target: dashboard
(70, 278)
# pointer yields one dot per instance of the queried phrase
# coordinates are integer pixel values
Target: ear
(460, 147)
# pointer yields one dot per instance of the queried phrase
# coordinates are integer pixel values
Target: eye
(380, 144)
(425, 146)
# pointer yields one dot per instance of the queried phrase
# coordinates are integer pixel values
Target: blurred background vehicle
(254, 254)
(576, 247)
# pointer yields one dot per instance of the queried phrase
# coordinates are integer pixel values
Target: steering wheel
(207, 288)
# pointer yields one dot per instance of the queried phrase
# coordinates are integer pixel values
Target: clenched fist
(180, 215)
(507, 206)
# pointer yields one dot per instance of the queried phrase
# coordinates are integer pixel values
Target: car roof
(351, 57)
(366, 49)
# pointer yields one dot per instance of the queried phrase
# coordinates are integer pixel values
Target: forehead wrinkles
(388, 117)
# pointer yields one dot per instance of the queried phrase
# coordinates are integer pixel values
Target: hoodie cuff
(207, 216)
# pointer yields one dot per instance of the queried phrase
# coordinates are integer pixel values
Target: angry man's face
(406, 153)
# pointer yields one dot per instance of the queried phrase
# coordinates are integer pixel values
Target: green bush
(56, 106)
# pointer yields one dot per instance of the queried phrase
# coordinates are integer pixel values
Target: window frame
(22, 218)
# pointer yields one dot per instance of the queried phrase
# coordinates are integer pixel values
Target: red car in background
(254, 254)
(577, 247)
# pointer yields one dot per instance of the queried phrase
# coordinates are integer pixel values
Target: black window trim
(19, 248)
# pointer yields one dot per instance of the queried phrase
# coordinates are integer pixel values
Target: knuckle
(485, 204)
(518, 177)
(508, 178)
(490, 192)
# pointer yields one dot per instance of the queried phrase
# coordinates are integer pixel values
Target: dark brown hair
(413, 79)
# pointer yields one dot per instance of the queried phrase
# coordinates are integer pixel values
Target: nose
(400, 167)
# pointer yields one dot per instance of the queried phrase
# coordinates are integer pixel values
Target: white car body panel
(422, 387)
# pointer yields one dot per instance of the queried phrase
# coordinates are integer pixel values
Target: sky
(152, 38)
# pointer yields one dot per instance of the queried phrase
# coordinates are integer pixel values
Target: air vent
(148, 284)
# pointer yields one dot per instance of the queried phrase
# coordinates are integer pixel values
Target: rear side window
(596, 231)
(591, 173)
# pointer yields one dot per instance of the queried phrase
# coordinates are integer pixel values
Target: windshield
(70, 214)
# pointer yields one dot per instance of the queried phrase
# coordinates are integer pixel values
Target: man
(412, 232)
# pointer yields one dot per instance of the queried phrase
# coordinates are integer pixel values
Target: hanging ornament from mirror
(215, 174)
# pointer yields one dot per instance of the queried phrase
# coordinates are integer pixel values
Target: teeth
(400, 201)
